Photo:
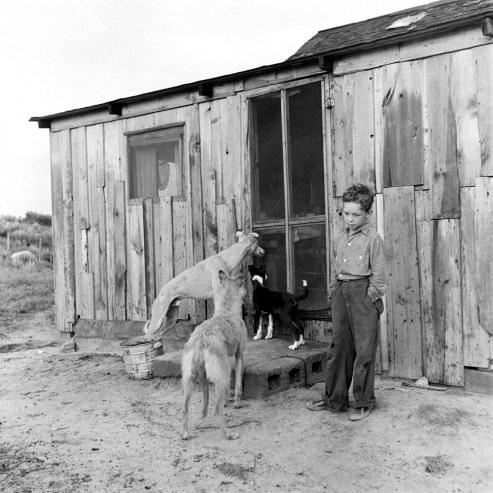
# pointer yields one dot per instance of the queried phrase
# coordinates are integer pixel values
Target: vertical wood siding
(353, 126)
(63, 240)
(404, 297)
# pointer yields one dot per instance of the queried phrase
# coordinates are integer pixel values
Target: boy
(355, 295)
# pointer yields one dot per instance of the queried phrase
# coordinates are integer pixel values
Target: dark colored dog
(280, 303)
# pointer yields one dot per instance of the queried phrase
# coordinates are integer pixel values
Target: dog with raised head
(198, 282)
(280, 303)
(207, 356)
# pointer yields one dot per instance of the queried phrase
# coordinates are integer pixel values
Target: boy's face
(354, 215)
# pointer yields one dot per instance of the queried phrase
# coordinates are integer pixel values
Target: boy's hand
(373, 294)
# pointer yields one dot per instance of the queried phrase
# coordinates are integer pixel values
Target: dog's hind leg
(218, 370)
(187, 386)
(205, 391)
(221, 390)
(238, 380)
(298, 335)
(270, 328)
(187, 391)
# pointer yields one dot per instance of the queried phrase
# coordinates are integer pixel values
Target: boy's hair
(361, 194)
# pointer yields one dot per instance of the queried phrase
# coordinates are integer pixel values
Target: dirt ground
(75, 422)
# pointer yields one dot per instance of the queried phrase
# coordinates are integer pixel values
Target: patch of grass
(24, 291)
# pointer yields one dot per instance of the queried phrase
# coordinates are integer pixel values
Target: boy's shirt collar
(364, 228)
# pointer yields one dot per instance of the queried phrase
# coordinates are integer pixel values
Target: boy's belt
(352, 280)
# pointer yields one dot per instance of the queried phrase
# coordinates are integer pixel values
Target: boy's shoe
(321, 405)
(360, 413)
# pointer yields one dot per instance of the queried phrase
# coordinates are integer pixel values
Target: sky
(57, 55)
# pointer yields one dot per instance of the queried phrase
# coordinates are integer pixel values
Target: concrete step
(269, 365)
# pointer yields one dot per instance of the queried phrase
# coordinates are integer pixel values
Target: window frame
(288, 223)
(149, 130)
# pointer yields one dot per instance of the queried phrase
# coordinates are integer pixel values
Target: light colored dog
(207, 355)
(198, 282)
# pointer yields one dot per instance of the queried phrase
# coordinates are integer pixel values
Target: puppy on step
(280, 303)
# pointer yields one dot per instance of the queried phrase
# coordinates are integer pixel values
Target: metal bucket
(138, 355)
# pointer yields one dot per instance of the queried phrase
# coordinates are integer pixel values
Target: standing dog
(198, 282)
(280, 303)
(207, 354)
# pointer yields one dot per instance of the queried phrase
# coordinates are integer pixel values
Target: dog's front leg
(257, 322)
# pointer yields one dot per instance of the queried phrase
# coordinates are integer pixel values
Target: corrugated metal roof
(410, 23)
(397, 27)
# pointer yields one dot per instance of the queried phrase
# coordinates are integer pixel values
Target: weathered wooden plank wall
(432, 135)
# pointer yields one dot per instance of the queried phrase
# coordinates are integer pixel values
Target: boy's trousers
(354, 345)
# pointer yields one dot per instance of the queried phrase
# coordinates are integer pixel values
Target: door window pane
(267, 161)
(310, 264)
(305, 150)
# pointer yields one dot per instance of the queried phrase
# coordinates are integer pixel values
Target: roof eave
(114, 107)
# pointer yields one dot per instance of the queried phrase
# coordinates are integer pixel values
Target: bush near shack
(26, 279)
(29, 234)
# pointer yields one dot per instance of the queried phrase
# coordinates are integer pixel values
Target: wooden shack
(148, 185)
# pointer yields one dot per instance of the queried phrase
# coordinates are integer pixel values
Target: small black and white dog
(280, 303)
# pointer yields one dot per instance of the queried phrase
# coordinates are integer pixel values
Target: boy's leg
(365, 333)
(341, 354)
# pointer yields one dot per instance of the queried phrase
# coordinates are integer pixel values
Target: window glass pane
(305, 148)
(169, 167)
(310, 264)
(274, 260)
(267, 163)
(156, 164)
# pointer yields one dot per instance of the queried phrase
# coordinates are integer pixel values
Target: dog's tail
(217, 369)
(198, 364)
(306, 292)
(192, 365)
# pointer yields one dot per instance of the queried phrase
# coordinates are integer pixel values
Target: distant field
(23, 292)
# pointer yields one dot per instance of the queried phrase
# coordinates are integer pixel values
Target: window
(156, 163)
(288, 201)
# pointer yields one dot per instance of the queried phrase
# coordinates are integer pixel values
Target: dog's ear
(255, 235)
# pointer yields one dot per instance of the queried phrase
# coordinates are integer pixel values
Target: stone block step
(269, 365)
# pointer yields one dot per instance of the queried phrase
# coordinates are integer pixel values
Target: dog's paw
(268, 336)
(258, 337)
(185, 435)
(237, 405)
(293, 347)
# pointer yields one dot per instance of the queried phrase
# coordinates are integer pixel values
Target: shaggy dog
(280, 303)
(207, 355)
(198, 282)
